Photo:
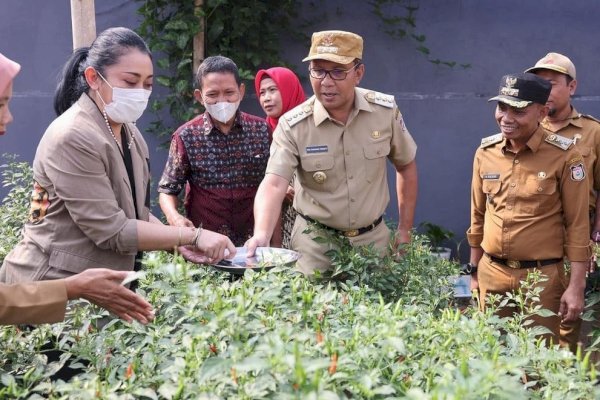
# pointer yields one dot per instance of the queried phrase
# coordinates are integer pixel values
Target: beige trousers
(313, 256)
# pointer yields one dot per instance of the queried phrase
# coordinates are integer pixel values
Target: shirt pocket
(64, 260)
(491, 187)
(539, 195)
(318, 172)
(258, 158)
(375, 159)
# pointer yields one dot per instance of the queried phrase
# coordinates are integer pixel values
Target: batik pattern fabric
(219, 172)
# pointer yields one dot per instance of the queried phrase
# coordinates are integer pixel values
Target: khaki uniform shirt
(586, 132)
(341, 169)
(531, 205)
(33, 303)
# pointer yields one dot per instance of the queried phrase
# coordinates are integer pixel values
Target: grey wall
(445, 109)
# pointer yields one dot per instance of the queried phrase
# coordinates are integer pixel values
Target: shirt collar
(533, 143)
(536, 139)
(320, 114)
(208, 126)
(574, 119)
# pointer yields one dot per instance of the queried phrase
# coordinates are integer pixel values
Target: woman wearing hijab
(278, 90)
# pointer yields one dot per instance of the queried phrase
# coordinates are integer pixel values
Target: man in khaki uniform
(563, 119)
(529, 205)
(338, 142)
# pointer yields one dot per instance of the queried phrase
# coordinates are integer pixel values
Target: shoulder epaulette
(300, 112)
(589, 117)
(382, 99)
(490, 140)
(559, 141)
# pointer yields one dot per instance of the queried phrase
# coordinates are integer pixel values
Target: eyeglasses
(335, 74)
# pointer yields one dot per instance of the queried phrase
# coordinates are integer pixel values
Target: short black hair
(217, 64)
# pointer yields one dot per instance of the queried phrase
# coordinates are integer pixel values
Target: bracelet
(197, 236)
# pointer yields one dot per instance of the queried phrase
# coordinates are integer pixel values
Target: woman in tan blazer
(46, 301)
(90, 201)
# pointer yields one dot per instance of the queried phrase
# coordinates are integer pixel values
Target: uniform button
(351, 177)
(378, 152)
(513, 184)
(347, 152)
(353, 222)
(505, 229)
(318, 165)
(509, 208)
(352, 200)
(516, 161)
(540, 189)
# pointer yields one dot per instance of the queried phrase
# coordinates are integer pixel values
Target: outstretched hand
(193, 255)
(214, 246)
(103, 287)
(254, 242)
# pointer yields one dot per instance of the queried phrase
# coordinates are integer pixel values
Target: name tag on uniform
(491, 176)
(317, 149)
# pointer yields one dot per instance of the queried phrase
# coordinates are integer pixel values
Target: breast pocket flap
(317, 162)
(376, 150)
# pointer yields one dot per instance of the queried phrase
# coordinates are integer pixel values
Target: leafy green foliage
(248, 32)
(436, 234)
(279, 335)
(18, 178)
(391, 276)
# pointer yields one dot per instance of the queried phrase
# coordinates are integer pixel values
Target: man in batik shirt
(219, 157)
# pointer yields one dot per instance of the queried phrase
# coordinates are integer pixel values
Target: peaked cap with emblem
(337, 46)
(523, 89)
(555, 62)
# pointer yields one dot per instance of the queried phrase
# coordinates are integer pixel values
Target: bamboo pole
(83, 22)
(198, 54)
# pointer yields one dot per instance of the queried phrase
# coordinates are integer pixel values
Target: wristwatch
(468, 269)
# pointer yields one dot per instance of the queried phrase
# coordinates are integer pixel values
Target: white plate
(264, 258)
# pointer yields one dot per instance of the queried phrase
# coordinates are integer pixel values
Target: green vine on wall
(403, 26)
(249, 36)
(247, 31)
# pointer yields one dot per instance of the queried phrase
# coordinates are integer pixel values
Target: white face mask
(127, 105)
(222, 111)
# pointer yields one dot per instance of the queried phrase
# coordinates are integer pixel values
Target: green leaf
(176, 24)
(164, 80)
(215, 30)
(183, 41)
(184, 64)
(163, 63)
(212, 367)
(544, 312)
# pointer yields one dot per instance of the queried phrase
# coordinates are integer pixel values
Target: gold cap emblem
(319, 177)
(511, 81)
(327, 40)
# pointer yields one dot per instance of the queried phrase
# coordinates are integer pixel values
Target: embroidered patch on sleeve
(577, 172)
(39, 204)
